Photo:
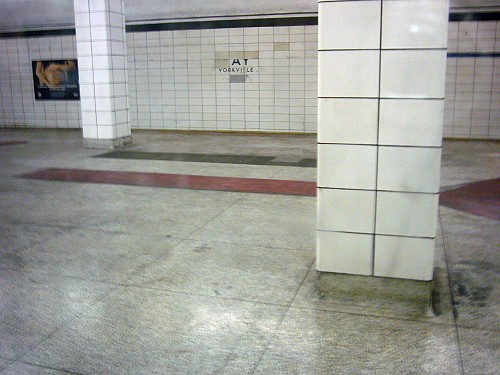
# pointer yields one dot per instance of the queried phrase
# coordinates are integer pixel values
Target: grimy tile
(321, 342)
(243, 272)
(137, 330)
(33, 305)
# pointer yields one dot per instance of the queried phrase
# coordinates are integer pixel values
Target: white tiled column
(381, 99)
(101, 49)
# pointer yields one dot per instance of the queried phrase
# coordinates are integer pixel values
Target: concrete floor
(112, 279)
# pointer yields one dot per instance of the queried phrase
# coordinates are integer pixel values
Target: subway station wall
(248, 78)
(472, 105)
(253, 78)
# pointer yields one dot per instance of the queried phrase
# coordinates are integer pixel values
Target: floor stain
(201, 248)
(473, 283)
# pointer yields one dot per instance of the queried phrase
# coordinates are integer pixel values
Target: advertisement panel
(56, 79)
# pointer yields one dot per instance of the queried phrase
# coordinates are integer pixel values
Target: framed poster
(56, 79)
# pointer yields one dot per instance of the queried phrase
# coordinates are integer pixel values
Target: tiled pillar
(101, 49)
(381, 100)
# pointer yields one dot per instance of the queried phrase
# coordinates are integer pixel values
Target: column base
(374, 295)
(107, 143)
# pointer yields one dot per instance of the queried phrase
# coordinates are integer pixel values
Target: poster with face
(56, 79)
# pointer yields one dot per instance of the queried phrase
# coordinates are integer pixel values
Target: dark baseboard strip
(474, 16)
(231, 23)
(225, 24)
(473, 54)
(38, 33)
(209, 158)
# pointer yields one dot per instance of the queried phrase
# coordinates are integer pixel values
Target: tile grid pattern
(100, 39)
(177, 83)
(473, 80)
(381, 99)
(18, 107)
(471, 109)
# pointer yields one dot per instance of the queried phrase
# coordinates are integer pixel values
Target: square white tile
(106, 132)
(348, 73)
(103, 90)
(404, 257)
(122, 130)
(415, 24)
(102, 76)
(100, 32)
(84, 48)
(89, 121)
(99, 19)
(347, 121)
(104, 104)
(98, 5)
(406, 214)
(85, 63)
(101, 62)
(347, 166)
(413, 74)
(87, 104)
(86, 76)
(349, 25)
(105, 118)
(345, 253)
(409, 169)
(411, 122)
(81, 6)
(82, 19)
(346, 210)
(89, 132)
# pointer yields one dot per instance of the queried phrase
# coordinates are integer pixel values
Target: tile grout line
(39, 366)
(216, 216)
(278, 327)
(283, 305)
(57, 329)
(377, 150)
(457, 336)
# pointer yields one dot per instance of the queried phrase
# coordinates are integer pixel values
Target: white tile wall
(353, 25)
(472, 84)
(343, 120)
(347, 166)
(19, 107)
(414, 24)
(404, 214)
(403, 257)
(173, 80)
(182, 87)
(380, 122)
(345, 252)
(472, 90)
(346, 210)
(103, 68)
(411, 122)
(413, 74)
(349, 73)
(409, 169)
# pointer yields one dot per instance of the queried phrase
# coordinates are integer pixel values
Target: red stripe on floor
(479, 198)
(244, 185)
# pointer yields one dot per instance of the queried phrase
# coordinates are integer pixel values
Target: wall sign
(56, 79)
(237, 64)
